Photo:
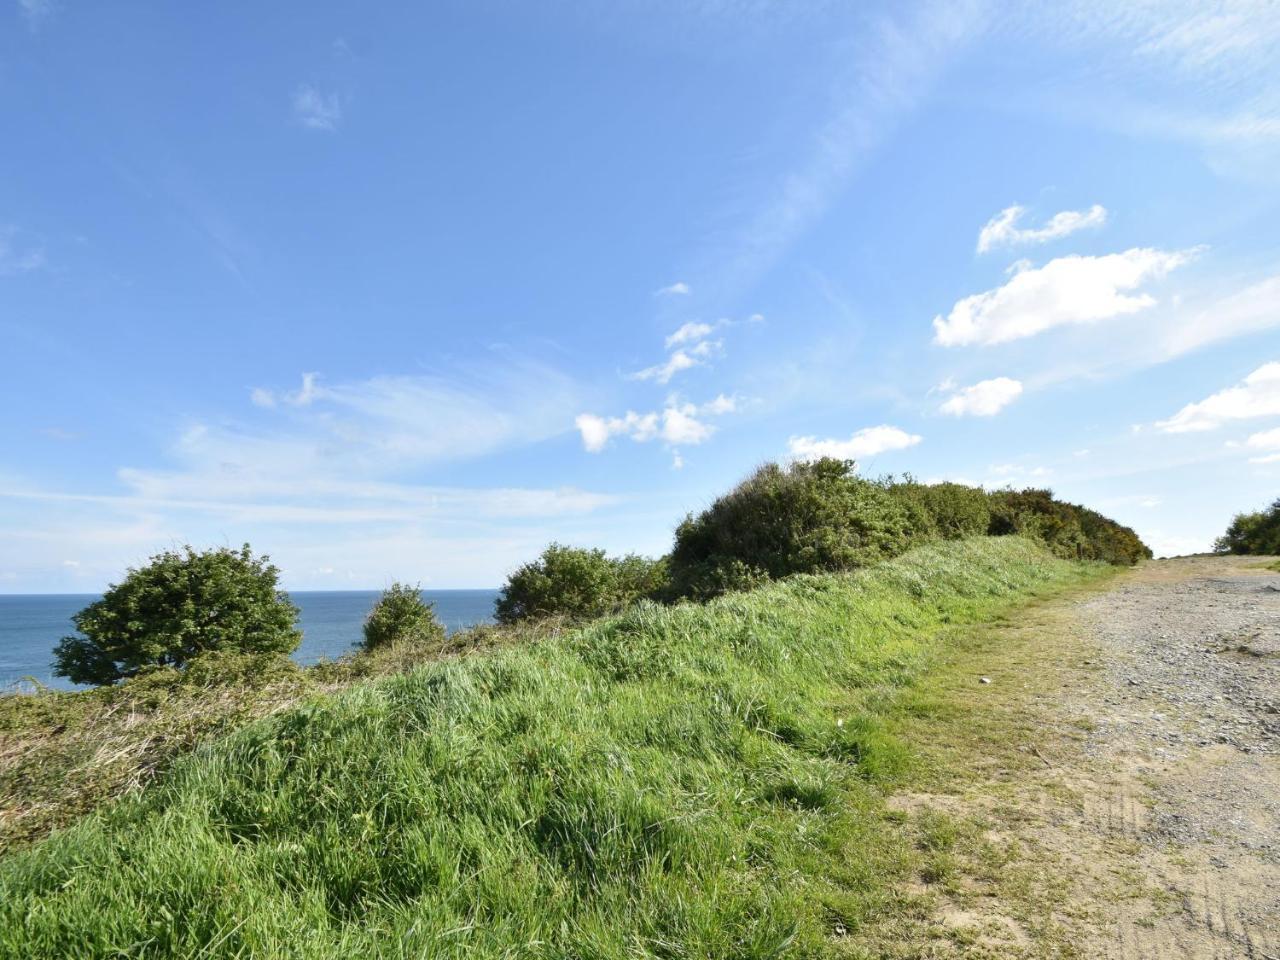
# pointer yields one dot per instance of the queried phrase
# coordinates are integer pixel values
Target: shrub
(804, 518)
(181, 604)
(1067, 529)
(578, 584)
(402, 614)
(948, 511)
(1255, 533)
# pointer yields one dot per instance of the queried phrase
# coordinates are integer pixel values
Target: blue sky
(407, 291)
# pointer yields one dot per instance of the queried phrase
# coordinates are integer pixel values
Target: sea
(331, 620)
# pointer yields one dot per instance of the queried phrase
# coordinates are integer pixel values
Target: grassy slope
(702, 781)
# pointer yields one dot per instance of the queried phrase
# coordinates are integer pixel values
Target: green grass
(696, 781)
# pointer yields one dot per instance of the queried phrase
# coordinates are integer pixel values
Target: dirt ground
(1146, 820)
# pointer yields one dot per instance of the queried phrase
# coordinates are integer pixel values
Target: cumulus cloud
(984, 399)
(1003, 229)
(1068, 290)
(315, 110)
(1258, 395)
(865, 443)
(677, 289)
(303, 396)
(678, 424)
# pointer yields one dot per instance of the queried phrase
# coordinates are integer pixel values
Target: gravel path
(1185, 755)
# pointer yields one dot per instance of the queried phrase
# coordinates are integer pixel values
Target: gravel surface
(1186, 726)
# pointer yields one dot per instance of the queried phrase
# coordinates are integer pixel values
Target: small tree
(181, 604)
(402, 614)
(577, 583)
(1256, 533)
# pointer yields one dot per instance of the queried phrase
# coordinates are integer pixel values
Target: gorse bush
(945, 511)
(1254, 533)
(180, 605)
(1069, 530)
(803, 518)
(819, 516)
(401, 615)
(578, 584)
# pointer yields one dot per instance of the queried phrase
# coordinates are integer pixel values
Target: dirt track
(1185, 756)
(1142, 821)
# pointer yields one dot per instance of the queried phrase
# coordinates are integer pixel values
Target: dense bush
(180, 605)
(1069, 530)
(947, 511)
(402, 614)
(1256, 533)
(578, 584)
(803, 518)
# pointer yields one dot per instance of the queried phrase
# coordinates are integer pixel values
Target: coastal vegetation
(182, 604)
(691, 780)
(675, 757)
(1252, 533)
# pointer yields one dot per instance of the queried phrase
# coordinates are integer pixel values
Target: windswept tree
(181, 604)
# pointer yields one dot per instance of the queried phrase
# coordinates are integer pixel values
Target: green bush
(183, 603)
(1069, 530)
(947, 511)
(578, 584)
(402, 615)
(804, 518)
(1253, 533)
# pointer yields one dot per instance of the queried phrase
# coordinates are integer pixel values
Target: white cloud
(663, 372)
(984, 399)
(1068, 290)
(865, 443)
(691, 332)
(315, 110)
(1003, 230)
(1267, 440)
(677, 289)
(1258, 395)
(677, 424)
(1255, 308)
(302, 397)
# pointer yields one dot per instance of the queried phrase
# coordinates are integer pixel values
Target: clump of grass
(693, 781)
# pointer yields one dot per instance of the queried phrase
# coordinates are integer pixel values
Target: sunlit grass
(695, 781)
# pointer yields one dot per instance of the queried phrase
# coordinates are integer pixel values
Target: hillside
(698, 780)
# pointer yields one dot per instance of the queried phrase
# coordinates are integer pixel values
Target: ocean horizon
(32, 624)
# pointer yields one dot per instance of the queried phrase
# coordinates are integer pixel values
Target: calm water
(31, 625)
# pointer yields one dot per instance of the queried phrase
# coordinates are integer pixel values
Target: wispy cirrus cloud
(867, 442)
(1068, 290)
(316, 110)
(1002, 230)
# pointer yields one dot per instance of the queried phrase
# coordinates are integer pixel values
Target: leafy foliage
(578, 584)
(1069, 530)
(1254, 533)
(804, 518)
(180, 605)
(946, 511)
(401, 615)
